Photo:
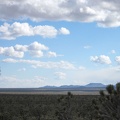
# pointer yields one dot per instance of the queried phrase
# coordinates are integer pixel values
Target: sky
(59, 42)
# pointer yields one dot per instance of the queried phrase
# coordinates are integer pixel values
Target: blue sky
(59, 42)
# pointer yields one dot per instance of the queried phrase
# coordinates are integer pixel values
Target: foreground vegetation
(44, 107)
(65, 107)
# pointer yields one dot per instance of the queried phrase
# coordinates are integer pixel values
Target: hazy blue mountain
(90, 85)
(95, 85)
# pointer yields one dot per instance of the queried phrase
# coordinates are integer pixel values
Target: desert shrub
(108, 105)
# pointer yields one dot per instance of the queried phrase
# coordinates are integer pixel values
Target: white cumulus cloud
(11, 52)
(105, 13)
(35, 49)
(11, 32)
(37, 46)
(52, 54)
(23, 48)
(117, 59)
(36, 53)
(64, 31)
(101, 59)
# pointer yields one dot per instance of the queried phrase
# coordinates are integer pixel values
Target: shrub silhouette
(64, 111)
(108, 105)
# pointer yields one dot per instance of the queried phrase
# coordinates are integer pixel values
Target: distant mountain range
(95, 85)
(88, 86)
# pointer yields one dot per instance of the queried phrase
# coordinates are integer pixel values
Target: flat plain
(38, 91)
